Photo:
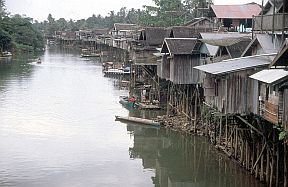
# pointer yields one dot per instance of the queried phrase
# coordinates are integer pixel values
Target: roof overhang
(236, 64)
(270, 76)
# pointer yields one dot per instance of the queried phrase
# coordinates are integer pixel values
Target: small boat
(39, 61)
(126, 103)
(138, 120)
(6, 54)
(115, 72)
(91, 55)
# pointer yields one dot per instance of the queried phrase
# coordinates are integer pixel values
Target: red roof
(245, 11)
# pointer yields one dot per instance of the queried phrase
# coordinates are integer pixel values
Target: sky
(79, 9)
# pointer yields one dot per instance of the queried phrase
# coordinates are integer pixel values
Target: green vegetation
(17, 33)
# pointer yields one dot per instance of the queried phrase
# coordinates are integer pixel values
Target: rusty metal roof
(270, 76)
(236, 64)
(245, 11)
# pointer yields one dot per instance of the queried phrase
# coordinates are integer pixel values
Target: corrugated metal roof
(224, 39)
(236, 64)
(245, 11)
(270, 76)
(215, 36)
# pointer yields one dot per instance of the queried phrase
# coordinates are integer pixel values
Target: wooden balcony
(267, 24)
(271, 112)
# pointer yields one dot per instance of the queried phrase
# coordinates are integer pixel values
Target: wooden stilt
(195, 112)
(220, 130)
(258, 156)
(272, 167)
(247, 157)
(226, 129)
(267, 166)
(262, 163)
(236, 143)
(285, 166)
(277, 165)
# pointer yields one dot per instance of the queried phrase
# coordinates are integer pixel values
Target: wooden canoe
(138, 120)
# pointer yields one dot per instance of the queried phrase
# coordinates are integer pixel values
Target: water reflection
(181, 160)
(58, 129)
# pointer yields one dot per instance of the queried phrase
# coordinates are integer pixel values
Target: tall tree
(3, 12)
(52, 25)
(62, 24)
(166, 13)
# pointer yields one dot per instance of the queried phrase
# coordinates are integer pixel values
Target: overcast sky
(78, 9)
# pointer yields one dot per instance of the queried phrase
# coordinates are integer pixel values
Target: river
(57, 129)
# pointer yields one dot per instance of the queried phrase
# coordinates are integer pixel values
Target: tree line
(165, 13)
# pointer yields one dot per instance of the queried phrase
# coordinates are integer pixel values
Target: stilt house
(227, 84)
(180, 55)
(235, 17)
(273, 89)
(273, 17)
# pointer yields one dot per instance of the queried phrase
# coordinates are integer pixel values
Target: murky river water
(57, 129)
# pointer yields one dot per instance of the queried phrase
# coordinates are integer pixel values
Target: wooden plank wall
(285, 111)
(268, 22)
(234, 93)
(166, 67)
(271, 112)
(181, 69)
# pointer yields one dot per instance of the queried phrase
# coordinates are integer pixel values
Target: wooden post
(277, 164)
(195, 112)
(168, 100)
(283, 21)
(247, 156)
(285, 166)
(226, 129)
(236, 143)
(272, 165)
(187, 102)
(242, 151)
(267, 166)
(252, 158)
(262, 163)
(256, 163)
(220, 129)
